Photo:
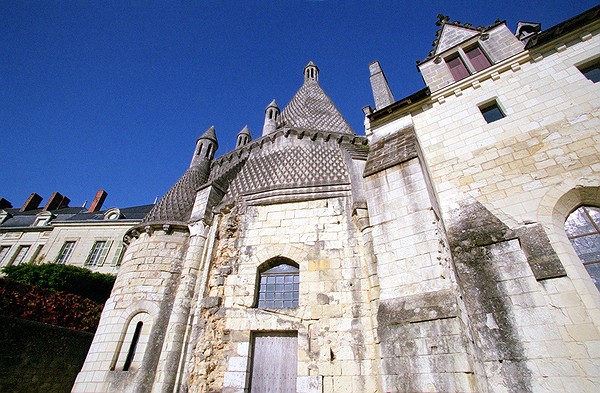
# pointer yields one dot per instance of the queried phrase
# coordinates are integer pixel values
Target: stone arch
(553, 210)
(143, 312)
(289, 251)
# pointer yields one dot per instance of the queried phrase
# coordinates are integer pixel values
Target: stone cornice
(166, 227)
(245, 150)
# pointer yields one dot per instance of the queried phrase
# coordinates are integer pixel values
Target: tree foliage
(65, 278)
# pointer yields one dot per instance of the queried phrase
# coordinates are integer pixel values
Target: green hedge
(66, 278)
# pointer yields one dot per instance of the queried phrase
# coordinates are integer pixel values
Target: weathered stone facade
(429, 256)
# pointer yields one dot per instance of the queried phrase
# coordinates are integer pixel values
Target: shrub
(52, 307)
(66, 278)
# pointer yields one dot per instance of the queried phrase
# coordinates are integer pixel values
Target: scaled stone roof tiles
(177, 204)
(312, 109)
(310, 164)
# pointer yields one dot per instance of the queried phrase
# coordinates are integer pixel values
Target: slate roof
(303, 155)
(571, 24)
(69, 214)
(290, 165)
(177, 203)
(312, 109)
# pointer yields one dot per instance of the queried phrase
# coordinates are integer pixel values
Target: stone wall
(528, 303)
(36, 357)
(337, 349)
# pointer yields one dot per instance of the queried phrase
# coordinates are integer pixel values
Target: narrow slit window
(491, 112)
(132, 346)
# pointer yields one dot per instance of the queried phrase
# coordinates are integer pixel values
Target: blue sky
(113, 94)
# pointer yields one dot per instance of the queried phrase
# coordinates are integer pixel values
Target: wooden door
(274, 363)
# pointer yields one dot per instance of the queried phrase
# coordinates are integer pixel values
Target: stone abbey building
(438, 253)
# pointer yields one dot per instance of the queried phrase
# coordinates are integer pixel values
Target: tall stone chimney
(381, 90)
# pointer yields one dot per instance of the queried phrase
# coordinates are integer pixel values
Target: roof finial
(442, 19)
(311, 72)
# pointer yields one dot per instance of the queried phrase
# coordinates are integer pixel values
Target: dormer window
(465, 62)
(477, 58)
(112, 214)
(43, 219)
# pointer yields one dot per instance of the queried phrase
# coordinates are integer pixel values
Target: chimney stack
(57, 201)
(381, 90)
(5, 204)
(98, 201)
(32, 202)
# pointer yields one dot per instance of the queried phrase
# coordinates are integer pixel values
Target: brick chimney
(98, 201)
(57, 201)
(5, 204)
(32, 202)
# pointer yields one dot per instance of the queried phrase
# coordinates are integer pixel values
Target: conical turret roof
(312, 109)
(210, 134)
(273, 104)
(245, 131)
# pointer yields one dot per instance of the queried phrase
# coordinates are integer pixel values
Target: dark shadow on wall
(36, 357)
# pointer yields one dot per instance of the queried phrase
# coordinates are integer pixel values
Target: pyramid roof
(312, 109)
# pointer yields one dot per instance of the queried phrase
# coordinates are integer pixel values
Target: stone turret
(206, 145)
(243, 137)
(271, 118)
(311, 72)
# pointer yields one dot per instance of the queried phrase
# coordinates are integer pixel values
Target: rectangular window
(491, 111)
(477, 59)
(65, 252)
(591, 71)
(20, 256)
(3, 253)
(457, 68)
(98, 253)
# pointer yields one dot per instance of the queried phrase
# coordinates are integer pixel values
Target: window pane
(477, 59)
(592, 72)
(491, 113)
(457, 68)
(587, 247)
(282, 287)
(21, 255)
(578, 223)
(594, 212)
(594, 271)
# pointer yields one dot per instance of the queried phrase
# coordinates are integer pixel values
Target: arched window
(278, 285)
(583, 230)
